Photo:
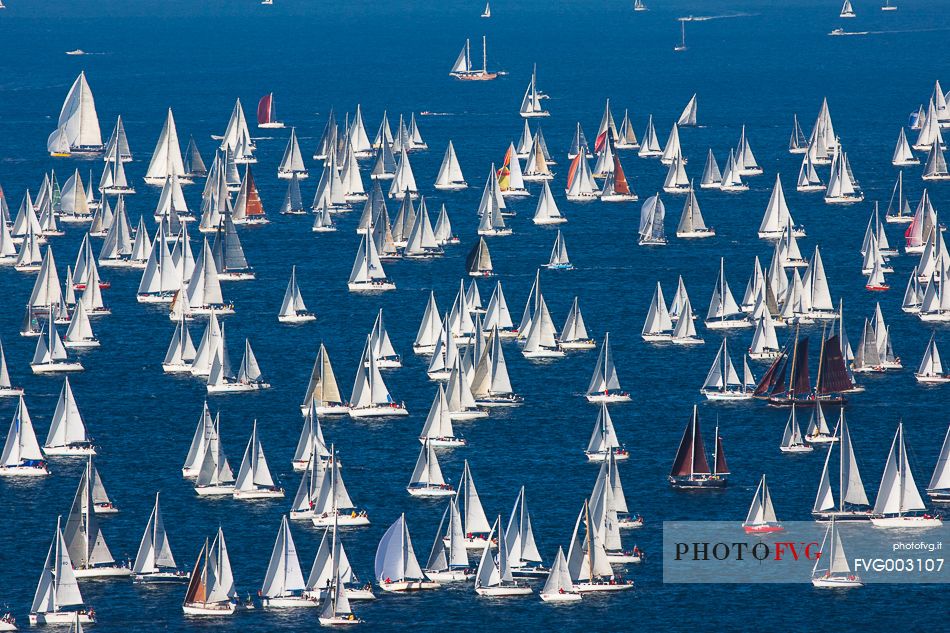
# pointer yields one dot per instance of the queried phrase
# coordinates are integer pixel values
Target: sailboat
(448, 559)
(267, 113)
(898, 502)
(931, 368)
(283, 582)
(724, 312)
(450, 176)
(77, 131)
(797, 142)
(853, 502)
(574, 335)
(211, 589)
(370, 396)
(723, 382)
(427, 479)
(437, 429)
(487, 11)
(792, 441)
(254, 480)
(166, 159)
(559, 587)
(690, 467)
(652, 217)
(541, 340)
(658, 325)
(761, 517)
(692, 225)
(524, 559)
(847, 11)
(332, 558)
(842, 187)
(214, 477)
(154, 562)
(332, 504)
(638, 5)
(22, 456)
(396, 566)
(603, 440)
(367, 274)
(292, 308)
(336, 608)
(57, 599)
(684, 333)
(323, 392)
(490, 382)
(832, 570)
(292, 161)
(84, 539)
(587, 562)
(531, 102)
(430, 328)
(765, 344)
(939, 487)
(682, 45)
(67, 434)
(605, 385)
(494, 577)
(463, 68)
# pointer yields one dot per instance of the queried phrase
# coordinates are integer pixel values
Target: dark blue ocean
(757, 69)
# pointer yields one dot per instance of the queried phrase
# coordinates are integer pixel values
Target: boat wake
(427, 113)
(707, 18)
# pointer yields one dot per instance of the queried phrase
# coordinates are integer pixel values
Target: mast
(791, 376)
(484, 54)
(821, 358)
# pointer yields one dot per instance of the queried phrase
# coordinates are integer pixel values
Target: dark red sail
(691, 456)
(834, 376)
(800, 380)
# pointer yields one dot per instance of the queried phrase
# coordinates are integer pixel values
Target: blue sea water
(757, 69)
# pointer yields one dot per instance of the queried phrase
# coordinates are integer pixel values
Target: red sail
(834, 376)
(570, 172)
(620, 178)
(600, 141)
(254, 206)
(774, 375)
(801, 382)
(691, 455)
(722, 468)
(264, 109)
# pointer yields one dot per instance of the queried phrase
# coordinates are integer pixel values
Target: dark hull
(685, 483)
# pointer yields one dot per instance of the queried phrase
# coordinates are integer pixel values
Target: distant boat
(688, 117)
(939, 487)
(284, 584)
(690, 468)
(267, 2)
(450, 173)
(837, 574)
(396, 566)
(559, 259)
(639, 6)
(266, 110)
(603, 441)
(254, 479)
(797, 142)
(587, 562)
(448, 560)
(22, 456)
(682, 45)
(931, 368)
(559, 587)
(463, 69)
(761, 517)
(792, 441)
(50, 355)
(487, 12)
(84, 539)
(888, 6)
(370, 396)
(723, 382)
(847, 11)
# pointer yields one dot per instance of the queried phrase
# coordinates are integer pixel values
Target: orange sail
(255, 208)
(573, 169)
(620, 178)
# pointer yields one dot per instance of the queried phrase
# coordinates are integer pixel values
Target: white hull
(689, 340)
(339, 620)
(503, 592)
(264, 493)
(69, 451)
(454, 186)
(472, 414)
(585, 587)
(155, 298)
(449, 575)
(727, 395)
(800, 448)
(162, 577)
(657, 338)
(237, 387)
(327, 409)
(342, 519)
(288, 602)
(542, 354)
(844, 199)
(110, 571)
(728, 324)
(837, 582)
(84, 344)
(909, 522)
(432, 491)
(378, 412)
(444, 442)
(622, 558)
(408, 585)
(55, 368)
(214, 491)
(619, 197)
(578, 344)
(694, 235)
(608, 398)
(567, 596)
(764, 355)
(24, 471)
(931, 380)
(369, 286)
(304, 317)
(59, 617)
(176, 368)
(602, 457)
(210, 609)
